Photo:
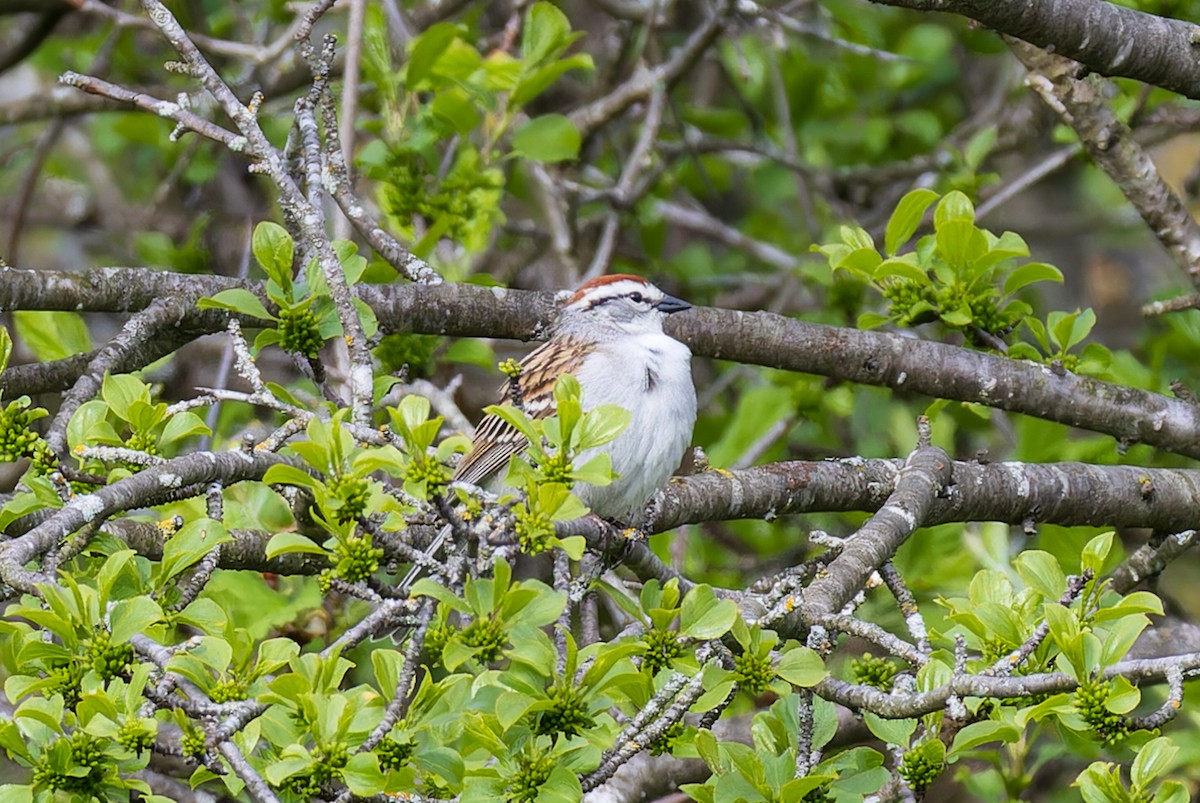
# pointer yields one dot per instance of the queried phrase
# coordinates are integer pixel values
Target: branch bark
(1108, 38)
(902, 363)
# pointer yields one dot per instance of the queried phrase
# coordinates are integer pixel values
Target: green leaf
(293, 761)
(426, 587)
(978, 733)
(516, 418)
(131, 616)
(120, 391)
(1120, 638)
(892, 731)
(362, 775)
(704, 616)
(801, 666)
(906, 218)
(549, 138)
(109, 573)
(959, 316)
(1030, 273)
(16, 793)
(871, 320)
(960, 243)
(1041, 572)
(5, 348)
(193, 541)
(979, 146)
(283, 474)
(426, 50)
(182, 425)
(237, 300)
(601, 425)
(1095, 552)
(282, 543)
(1171, 792)
(203, 614)
(52, 335)
(275, 252)
(955, 206)
(904, 267)
(545, 33)
(561, 787)
(457, 108)
(573, 545)
(862, 261)
(538, 80)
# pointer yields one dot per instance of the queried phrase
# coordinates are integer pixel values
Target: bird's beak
(671, 304)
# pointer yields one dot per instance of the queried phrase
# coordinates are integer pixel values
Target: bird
(609, 336)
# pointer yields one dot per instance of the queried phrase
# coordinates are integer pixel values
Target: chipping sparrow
(609, 336)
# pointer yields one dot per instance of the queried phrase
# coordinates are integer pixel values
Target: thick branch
(858, 698)
(919, 482)
(1080, 102)
(1108, 38)
(924, 367)
(1069, 494)
(144, 489)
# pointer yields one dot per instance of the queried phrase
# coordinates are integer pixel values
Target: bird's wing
(495, 439)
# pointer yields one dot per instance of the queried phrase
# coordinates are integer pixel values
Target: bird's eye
(637, 298)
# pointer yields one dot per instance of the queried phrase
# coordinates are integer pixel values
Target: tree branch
(1108, 38)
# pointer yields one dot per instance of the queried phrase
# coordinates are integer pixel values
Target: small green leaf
(362, 775)
(1171, 792)
(538, 80)
(862, 261)
(954, 206)
(959, 316)
(237, 300)
(1095, 552)
(516, 418)
(182, 425)
(5, 348)
(120, 391)
(978, 733)
(601, 425)
(284, 542)
(801, 666)
(904, 267)
(193, 541)
(561, 787)
(52, 335)
(283, 474)
(1028, 274)
(573, 545)
(704, 616)
(1041, 572)
(979, 146)
(425, 587)
(457, 108)
(871, 320)
(960, 243)
(129, 617)
(907, 218)
(892, 731)
(545, 33)
(275, 252)
(16, 793)
(549, 138)
(426, 50)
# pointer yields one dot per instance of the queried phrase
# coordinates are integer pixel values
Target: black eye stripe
(636, 297)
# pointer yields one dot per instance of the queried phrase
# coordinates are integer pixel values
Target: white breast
(649, 375)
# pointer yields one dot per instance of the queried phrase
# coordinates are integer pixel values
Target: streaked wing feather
(495, 439)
